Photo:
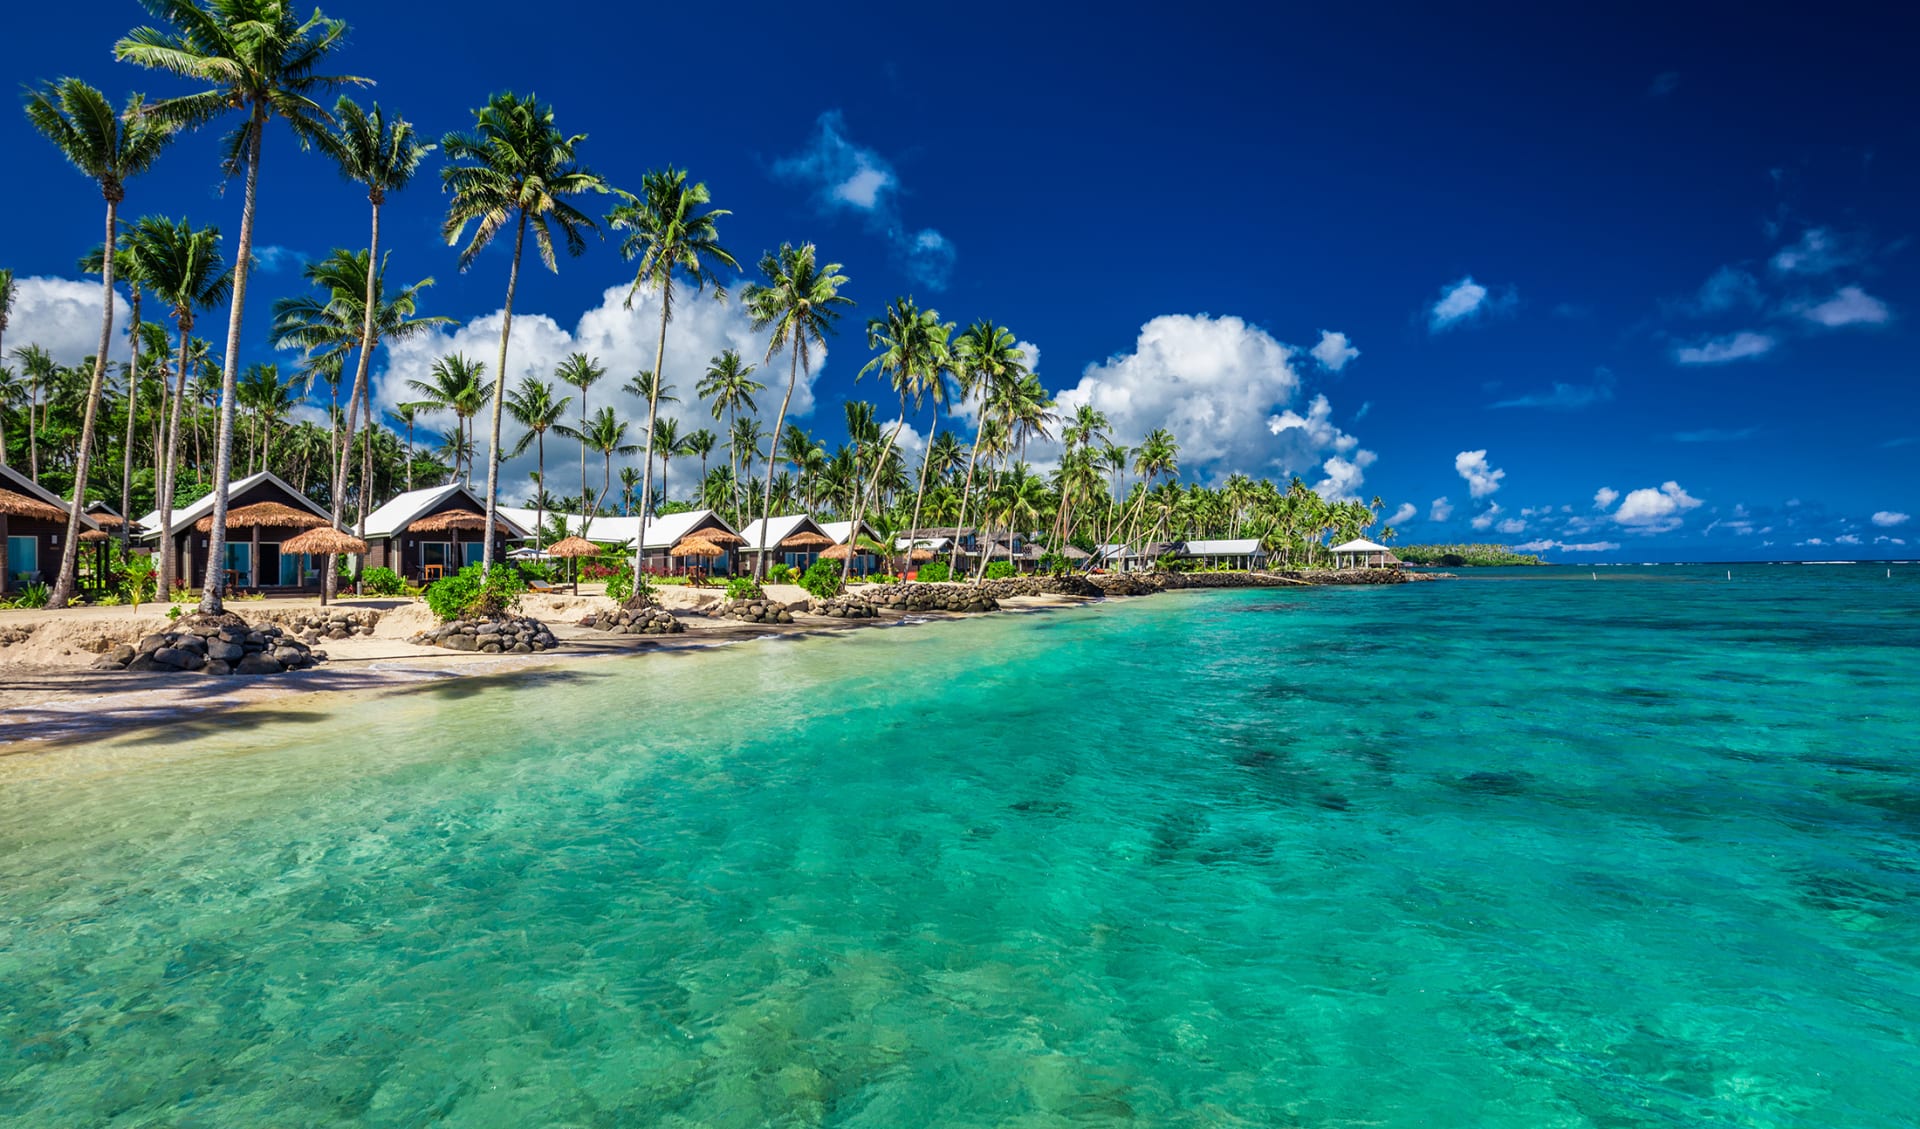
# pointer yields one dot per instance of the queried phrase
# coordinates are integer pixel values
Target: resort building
(865, 560)
(1242, 552)
(262, 511)
(794, 540)
(426, 534)
(692, 541)
(1362, 553)
(32, 522)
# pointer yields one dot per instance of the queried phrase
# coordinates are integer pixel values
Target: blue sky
(1633, 275)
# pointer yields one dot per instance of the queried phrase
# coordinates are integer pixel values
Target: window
(23, 556)
(240, 563)
(470, 553)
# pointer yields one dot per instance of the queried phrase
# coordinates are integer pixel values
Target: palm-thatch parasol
(95, 535)
(719, 536)
(15, 504)
(835, 553)
(574, 547)
(921, 556)
(695, 545)
(448, 520)
(806, 539)
(107, 521)
(323, 541)
(264, 515)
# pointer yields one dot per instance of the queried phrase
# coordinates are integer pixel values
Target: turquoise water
(1519, 850)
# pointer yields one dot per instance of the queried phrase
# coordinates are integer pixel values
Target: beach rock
(504, 634)
(648, 620)
(104, 662)
(258, 662)
(457, 641)
(221, 649)
(122, 653)
(289, 656)
(173, 657)
(217, 666)
(152, 643)
(846, 606)
(214, 644)
(141, 664)
(918, 597)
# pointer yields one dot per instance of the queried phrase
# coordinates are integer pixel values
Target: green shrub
(743, 588)
(468, 594)
(1000, 570)
(538, 570)
(383, 582)
(781, 573)
(32, 596)
(1053, 564)
(621, 587)
(934, 572)
(822, 579)
(137, 579)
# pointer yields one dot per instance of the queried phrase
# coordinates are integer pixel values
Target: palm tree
(519, 168)
(629, 486)
(746, 444)
(459, 385)
(261, 389)
(126, 268)
(455, 448)
(108, 148)
(535, 409)
(985, 355)
(583, 372)
(667, 442)
(916, 358)
(37, 371)
(1158, 454)
(405, 415)
(258, 58)
(382, 153)
(730, 385)
(606, 433)
(700, 444)
(7, 293)
(797, 301)
(670, 235)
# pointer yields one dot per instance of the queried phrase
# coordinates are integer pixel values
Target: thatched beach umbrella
(571, 548)
(719, 536)
(324, 541)
(835, 553)
(806, 539)
(695, 545)
(448, 520)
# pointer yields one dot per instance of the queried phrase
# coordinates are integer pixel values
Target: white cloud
(1481, 478)
(624, 341)
(1565, 397)
(910, 441)
(1604, 497)
(1655, 511)
(1850, 306)
(1440, 510)
(1406, 513)
(1464, 301)
(1334, 351)
(846, 176)
(1847, 539)
(1344, 476)
(1214, 382)
(273, 259)
(1720, 350)
(1485, 520)
(1817, 252)
(1580, 547)
(1513, 525)
(62, 316)
(1306, 437)
(1887, 519)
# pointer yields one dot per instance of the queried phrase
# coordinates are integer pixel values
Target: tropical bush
(32, 596)
(470, 594)
(383, 582)
(1053, 564)
(934, 572)
(1000, 570)
(1456, 556)
(544, 571)
(743, 588)
(780, 574)
(137, 579)
(822, 579)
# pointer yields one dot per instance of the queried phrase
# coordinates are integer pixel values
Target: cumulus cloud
(1404, 514)
(624, 341)
(1305, 437)
(1655, 511)
(1334, 351)
(1565, 547)
(1565, 397)
(1818, 251)
(1486, 518)
(1463, 302)
(1720, 350)
(848, 177)
(1482, 479)
(1850, 306)
(273, 259)
(1512, 525)
(1847, 539)
(62, 316)
(1729, 288)
(1604, 497)
(1440, 510)
(1887, 519)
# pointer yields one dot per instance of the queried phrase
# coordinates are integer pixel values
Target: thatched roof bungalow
(426, 534)
(795, 540)
(262, 512)
(32, 522)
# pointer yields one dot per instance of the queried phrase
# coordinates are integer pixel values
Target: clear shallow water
(1518, 850)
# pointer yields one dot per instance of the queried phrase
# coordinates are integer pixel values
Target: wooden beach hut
(426, 534)
(795, 540)
(32, 523)
(262, 512)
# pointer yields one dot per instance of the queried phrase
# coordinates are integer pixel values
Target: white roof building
(1237, 547)
(402, 510)
(186, 515)
(663, 530)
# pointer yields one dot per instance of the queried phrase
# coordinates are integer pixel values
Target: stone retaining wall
(1071, 584)
(916, 596)
(635, 621)
(845, 606)
(759, 609)
(223, 644)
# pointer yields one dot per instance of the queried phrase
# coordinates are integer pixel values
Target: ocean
(1521, 849)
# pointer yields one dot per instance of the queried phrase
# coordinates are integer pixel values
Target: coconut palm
(534, 408)
(985, 355)
(606, 433)
(458, 385)
(405, 416)
(729, 384)
(514, 166)
(583, 372)
(8, 290)
(700, 444)
(915, 357)
(12, 391)
(108, 148)
(671, 231)
(798, 301)
(258, 58)
(381, 152)
(37, 370)
(667, 442)
(271, 400)
(629, 486)
(747, 444)
(126, 268)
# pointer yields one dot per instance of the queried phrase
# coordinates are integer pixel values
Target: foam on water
(1509, 851)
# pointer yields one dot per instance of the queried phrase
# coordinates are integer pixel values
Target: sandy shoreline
(50, 699)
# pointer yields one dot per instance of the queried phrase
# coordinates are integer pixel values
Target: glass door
(23, 559)
(240, 564)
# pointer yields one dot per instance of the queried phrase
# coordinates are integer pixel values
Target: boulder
(258, 663)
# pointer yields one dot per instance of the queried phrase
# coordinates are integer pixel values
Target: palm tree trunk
(860, 496)
(133, 402)
(926, 458)
(499, 398)
(33, 429)
(953, 558)
(216, 581)
(539, 494)
(646, 478)
(64, 584)
(766, 505)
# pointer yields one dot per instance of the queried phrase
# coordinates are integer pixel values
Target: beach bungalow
(32, 522)
(669, 534)
(865, 561)
(1362, 553)
(426, 534)
(795, 540)
(1244, 552)
(262, 511)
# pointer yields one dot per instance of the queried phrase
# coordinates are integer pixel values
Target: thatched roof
(836, 553)
(806, 539)
(719, 536)
(20, 505)
(919, 555)
(106, 520)
(447, 520)
(574, 547)
(323, 541)
(695, 545)
(264, 515)
(95, 535)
